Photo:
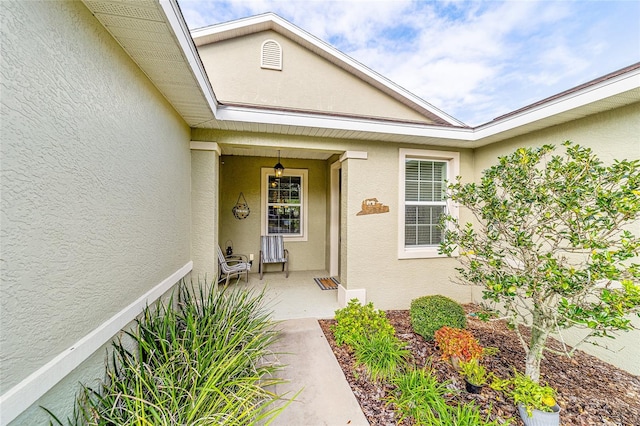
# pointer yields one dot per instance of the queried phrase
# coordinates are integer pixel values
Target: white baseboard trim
(20, 397)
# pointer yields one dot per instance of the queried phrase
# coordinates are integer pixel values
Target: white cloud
(475, 60)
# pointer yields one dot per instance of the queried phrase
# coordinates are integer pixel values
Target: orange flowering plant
(456, 342)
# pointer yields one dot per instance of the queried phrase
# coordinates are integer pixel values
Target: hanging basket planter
(241, 209)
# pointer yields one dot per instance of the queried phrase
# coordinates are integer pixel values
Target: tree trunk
(539, 334)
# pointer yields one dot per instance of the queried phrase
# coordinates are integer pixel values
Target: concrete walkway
(326, 398)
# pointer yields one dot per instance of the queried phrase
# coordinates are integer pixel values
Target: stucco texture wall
(243, 174)
(614, 134)
(306, 81)
(95, 182)
(204, 214)
(372, 240)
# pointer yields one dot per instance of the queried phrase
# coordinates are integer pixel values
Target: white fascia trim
(205, 146)
(606, 89)
(181, 31)
(222, 27)
(20, 397)
(590, 94)
(249, 115)
(280, 25)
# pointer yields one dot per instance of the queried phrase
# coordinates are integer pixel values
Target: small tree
(552, 243)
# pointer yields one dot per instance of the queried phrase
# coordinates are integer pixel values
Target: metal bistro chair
(272, 251)
(235, 265)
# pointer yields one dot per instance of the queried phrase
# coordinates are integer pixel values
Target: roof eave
(364, 125)
(183, 36)
(624, 89)
(621, 89)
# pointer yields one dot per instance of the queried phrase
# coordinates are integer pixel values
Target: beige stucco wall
(372, 240)
(612, 135)
(95, 188)
(243, 174)
(204, 213)
(307, 82)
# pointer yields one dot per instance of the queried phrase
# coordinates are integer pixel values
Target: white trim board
(334, 219)
(20, 397)
(360, 155)
(205, 146)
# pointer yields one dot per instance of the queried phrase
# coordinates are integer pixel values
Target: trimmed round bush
(429, 313)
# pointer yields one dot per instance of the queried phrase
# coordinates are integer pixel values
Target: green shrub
(429, 313)
(382, 355)
(356, 322)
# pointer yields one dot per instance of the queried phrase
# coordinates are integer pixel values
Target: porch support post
(349, 206)
(205, 167)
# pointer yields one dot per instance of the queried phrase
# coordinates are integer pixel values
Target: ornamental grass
(200, 359)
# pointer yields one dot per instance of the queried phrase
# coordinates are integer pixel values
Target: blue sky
(475, 60)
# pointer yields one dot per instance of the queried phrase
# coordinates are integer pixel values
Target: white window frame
(453, 170)
(264, 201)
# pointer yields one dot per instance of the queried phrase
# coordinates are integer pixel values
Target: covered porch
(311, 194)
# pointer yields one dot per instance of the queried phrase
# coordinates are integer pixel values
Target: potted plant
(475, 375)
(536, 403)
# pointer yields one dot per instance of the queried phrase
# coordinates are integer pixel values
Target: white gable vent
(271, 55)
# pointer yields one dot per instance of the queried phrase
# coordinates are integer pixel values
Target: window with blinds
(424, 201)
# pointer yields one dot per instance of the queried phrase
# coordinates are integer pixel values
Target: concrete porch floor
(295, 297)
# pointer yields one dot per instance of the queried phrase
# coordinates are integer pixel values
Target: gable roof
(273, 22)
(155, 35)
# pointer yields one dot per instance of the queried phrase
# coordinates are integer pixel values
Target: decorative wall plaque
(372, 206)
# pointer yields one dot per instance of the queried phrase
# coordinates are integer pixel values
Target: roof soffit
(144, 30)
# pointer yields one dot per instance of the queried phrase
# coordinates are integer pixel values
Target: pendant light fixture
(278, 168)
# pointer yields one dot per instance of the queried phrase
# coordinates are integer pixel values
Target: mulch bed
(590, 391)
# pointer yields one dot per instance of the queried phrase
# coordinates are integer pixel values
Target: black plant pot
(472, 388)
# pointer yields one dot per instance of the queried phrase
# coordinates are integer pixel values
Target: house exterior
(127, 140)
